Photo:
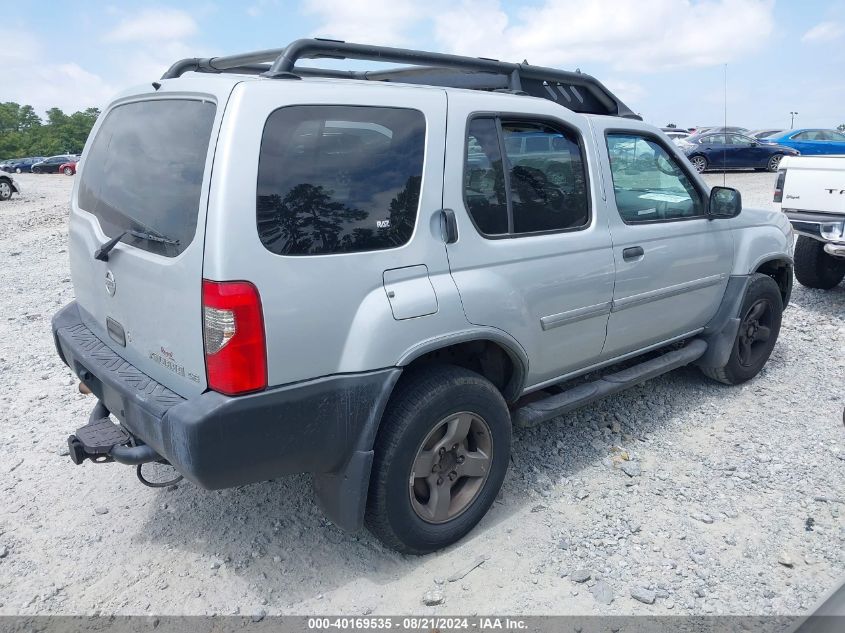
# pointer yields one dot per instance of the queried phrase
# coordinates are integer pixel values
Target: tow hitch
(103, 441)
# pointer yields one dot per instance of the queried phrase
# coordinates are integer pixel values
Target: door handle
(450, 226)
(632, 252)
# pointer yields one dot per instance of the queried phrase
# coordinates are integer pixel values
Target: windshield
(145, 169)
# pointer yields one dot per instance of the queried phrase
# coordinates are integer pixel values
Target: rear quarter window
(339, 179)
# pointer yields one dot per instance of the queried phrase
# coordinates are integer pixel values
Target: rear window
(144, 171)
(339, 179)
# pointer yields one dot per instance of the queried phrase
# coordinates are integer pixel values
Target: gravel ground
(679, 496)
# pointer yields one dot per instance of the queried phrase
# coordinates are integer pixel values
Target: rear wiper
(102, 253)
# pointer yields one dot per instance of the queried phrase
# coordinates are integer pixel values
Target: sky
(666, 59)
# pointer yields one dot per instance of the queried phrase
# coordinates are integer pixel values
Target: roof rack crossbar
(439, 68)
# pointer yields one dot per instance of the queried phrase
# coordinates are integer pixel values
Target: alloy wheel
(754, 330)
(5, 190)
(699, 163)
(450, 467)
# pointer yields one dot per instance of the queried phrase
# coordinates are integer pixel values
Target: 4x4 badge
(110, 284)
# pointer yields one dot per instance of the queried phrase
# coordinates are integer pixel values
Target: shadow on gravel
(273, 534)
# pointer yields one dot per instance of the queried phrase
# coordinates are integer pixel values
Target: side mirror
(724, 202)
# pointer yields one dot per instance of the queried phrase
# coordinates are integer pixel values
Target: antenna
(724, 151)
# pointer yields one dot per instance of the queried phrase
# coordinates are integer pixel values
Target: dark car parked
(732, 151)
(51, 165)
(21, 165)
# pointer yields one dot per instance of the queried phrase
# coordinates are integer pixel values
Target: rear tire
(5, 190)
(68, 171)
(18, 170)
(814, 268)
(411, 457)
(759, 327)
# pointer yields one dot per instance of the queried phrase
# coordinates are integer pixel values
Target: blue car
(810, 142)
(733, 151)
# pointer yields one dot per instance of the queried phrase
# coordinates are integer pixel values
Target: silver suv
(363, 275)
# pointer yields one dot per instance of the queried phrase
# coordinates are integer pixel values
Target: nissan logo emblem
(110, 285)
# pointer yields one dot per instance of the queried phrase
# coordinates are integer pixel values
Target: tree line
(23, 133)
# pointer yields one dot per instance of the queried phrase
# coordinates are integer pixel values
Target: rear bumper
(809, 223)
(218, 441)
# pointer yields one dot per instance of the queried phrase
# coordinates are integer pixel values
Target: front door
(533, 254)
(672, 262)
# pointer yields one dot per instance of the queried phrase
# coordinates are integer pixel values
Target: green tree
(23, 133)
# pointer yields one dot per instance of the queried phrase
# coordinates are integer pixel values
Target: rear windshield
(144, 171)
(339, 179)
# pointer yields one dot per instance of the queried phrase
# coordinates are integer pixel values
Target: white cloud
(824, 32)
(28, 79)
(382, 22)
(631, 35)
(151, 25)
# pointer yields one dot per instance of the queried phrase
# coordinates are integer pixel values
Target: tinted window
(484, 178)
(648, 182)
(831, 135)
(547, 182)
(145, 168)
(339, 179)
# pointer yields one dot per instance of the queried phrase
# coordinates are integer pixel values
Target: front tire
(760, 319)
(814, 268)
(774, 162)
(17, 170)
(440, 459)
(700, 163)
(5, 190)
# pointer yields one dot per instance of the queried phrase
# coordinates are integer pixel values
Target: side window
(339, 179)
(484, 178)
(540, 186)
(648, 182)
(547, 183)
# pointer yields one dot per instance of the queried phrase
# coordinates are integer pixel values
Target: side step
(539, 411)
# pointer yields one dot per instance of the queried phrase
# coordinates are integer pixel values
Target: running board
(543, 410)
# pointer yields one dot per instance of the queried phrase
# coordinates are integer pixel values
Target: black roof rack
(574, 90)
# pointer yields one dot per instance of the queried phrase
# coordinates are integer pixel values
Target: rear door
(533, 256)
(147, 171)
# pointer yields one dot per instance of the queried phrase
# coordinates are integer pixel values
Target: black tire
(68, 171)
(423, 398)
(814, 268)
(745, 363)
(5, 189)
(774, 162)
(17, 170)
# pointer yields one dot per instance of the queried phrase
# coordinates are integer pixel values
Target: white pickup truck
(811, 192)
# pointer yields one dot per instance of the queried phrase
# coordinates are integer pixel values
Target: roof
(576, 91)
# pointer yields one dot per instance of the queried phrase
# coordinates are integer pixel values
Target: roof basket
(573, 90)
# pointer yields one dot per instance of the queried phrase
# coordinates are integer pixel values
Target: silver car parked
(283, 269)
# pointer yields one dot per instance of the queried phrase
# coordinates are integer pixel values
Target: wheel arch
(779, 268)
(489, 352)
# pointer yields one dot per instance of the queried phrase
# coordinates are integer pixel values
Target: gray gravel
(619, 489)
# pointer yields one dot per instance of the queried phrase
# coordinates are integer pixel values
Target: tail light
(779, 185)
(233, 332)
